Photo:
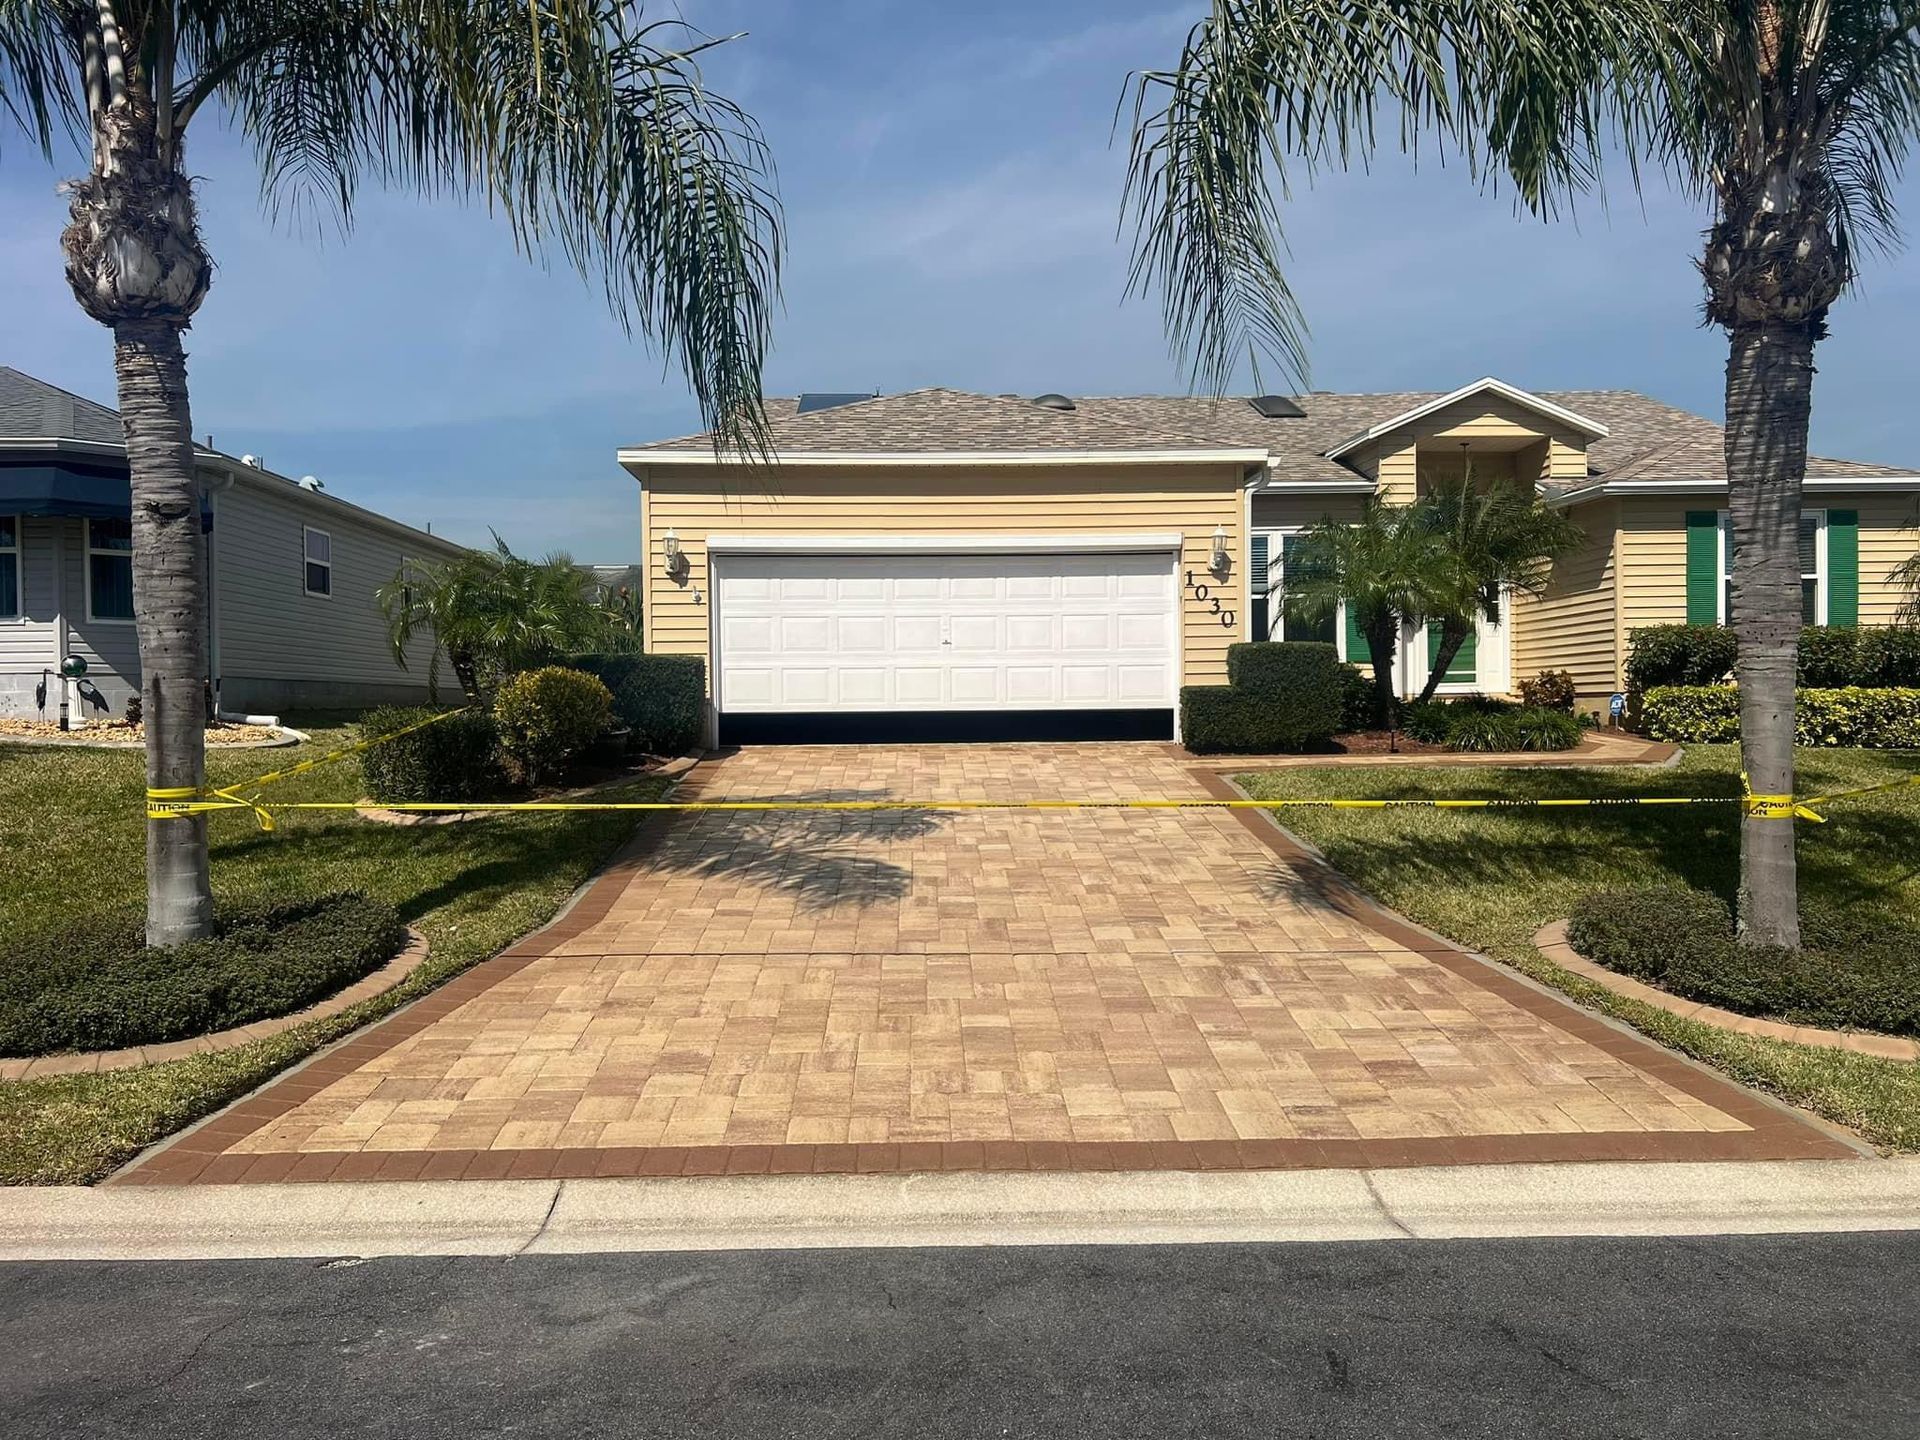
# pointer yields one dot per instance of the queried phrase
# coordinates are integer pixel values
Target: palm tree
(1495, 543)
(493, 613)
(1790, 117)
(588, 128)
(1381, 568)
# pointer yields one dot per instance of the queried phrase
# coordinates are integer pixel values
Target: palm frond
(38, 70)
(593, 136)
(1526, 89)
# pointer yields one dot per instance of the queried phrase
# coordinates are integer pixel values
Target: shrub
(547, 715)
(1829, 656)
(1890, 658)
(1549, 690)
(1710, 714)
(97, 986)
(660, 698)
(1691, 714)
(1356, 699)
(1860, 967)
(1678, 655)
(1223, 719)
(1301, 680)
(457, 758)
(1482, 730)
(1537, 727)
(1428, 721)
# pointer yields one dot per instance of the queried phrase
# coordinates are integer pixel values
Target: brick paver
(987, 989)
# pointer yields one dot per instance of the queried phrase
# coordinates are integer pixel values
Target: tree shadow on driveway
(825, 858)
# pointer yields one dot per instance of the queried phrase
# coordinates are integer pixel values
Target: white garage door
(838, 634)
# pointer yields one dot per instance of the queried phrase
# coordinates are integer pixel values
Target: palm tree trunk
(170, 606)
(1769, 400)
(1452, 637)
(1380, 640)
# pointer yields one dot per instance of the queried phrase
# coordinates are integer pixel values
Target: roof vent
(311, 482)
(1051, 401)
(1277, 407)
(831, 400)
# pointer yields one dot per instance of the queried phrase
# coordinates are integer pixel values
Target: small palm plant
(1496, 541)
(1382, 568)
(492, 613)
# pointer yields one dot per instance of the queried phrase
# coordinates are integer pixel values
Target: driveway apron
(808, 991)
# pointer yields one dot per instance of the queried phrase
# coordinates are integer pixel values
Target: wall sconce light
(1220, 550)
(676, 561)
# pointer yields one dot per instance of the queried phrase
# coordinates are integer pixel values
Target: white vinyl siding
(269, 628)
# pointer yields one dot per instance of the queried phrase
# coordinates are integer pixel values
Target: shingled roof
(1646, 439)
(33, 409)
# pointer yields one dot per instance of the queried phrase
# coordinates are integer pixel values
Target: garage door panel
(855, 633)
(863, 687)
(982, 632)
(806, 634)
(976, 632)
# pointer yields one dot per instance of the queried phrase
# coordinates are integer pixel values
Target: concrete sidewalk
(798, 1212)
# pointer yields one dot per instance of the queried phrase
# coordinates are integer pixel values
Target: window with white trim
(1814, 575)
(10, 601)
(110, 570)
(317, 557)
(1284, 622)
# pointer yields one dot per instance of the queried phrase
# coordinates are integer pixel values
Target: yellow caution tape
(179, 801)
(460, 807)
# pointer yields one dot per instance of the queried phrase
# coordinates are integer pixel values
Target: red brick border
(1775, 1133)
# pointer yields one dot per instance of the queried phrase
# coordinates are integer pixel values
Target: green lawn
(72, 832)
(1490, 879)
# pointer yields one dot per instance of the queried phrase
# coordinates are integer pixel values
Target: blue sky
(952, 199)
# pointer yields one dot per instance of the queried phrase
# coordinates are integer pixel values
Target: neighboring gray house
(293, 570)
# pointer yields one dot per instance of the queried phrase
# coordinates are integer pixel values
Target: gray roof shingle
(33, 408)
(1647, 439)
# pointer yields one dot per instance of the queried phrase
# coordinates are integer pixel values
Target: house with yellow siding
(940, 564)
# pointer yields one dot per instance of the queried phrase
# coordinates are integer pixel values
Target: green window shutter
(1358, 651)
(1843, 567)
(1257, 585)
(1703, 567)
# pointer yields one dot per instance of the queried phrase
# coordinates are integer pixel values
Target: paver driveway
(1001, 988)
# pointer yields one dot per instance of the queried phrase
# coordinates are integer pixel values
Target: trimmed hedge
(1679, 655)
(547, 716)
(1860, 967)
(1302, 678)
(1356, 699)
(1710, 715)
(658, 697)
(97, 986)
(453, 759)
(1831, 657)
(1281, 695)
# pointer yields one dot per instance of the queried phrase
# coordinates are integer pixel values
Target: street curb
(820, 1212)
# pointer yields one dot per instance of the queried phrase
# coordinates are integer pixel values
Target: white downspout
(214, 485)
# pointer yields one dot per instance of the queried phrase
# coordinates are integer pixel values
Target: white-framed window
(1285, 625)
(317, 562)
(1814, 574)
(110, 571)
(10, 597)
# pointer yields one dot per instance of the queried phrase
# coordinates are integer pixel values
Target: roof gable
(1486, 385)
(33, 409)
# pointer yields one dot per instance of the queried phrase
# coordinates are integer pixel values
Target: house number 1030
(1200, 590)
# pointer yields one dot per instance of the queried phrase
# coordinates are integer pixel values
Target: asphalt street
(1763, 1336)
